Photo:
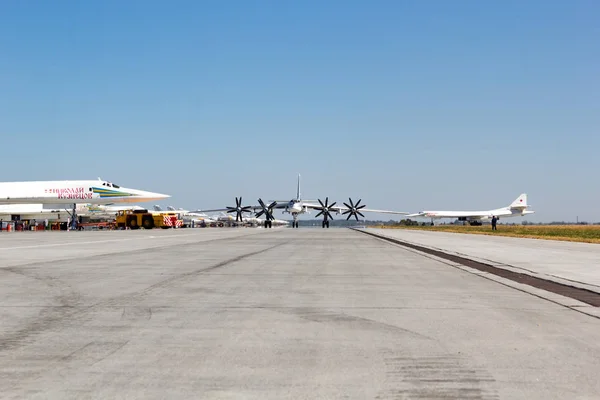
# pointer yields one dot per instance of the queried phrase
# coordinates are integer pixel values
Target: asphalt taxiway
(274, 314)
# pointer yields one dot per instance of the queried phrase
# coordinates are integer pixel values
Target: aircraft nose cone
(154, 196)
(142, 195)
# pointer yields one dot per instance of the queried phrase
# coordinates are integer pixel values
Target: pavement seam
(486, 271)
(56, 315)
(10, 268)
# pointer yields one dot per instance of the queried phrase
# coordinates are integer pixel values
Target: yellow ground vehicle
(135, 219)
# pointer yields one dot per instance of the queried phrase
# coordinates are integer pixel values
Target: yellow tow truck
(136, 219)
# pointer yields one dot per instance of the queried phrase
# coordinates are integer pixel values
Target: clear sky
(409, 105)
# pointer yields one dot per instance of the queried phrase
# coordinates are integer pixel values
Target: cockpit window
(116, 186)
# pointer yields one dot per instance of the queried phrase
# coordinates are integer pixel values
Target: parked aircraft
(72, 193)
(297, 206)
(54, 211)
(517, 208)
(189, 218)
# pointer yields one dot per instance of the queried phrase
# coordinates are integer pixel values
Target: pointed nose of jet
(142, 196)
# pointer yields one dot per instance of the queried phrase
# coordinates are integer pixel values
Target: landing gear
(325, 224)
(268, 224)
(74, 217)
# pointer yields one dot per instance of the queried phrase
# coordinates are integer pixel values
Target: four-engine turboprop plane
(517, 208)
(58, 194)
(297, 206)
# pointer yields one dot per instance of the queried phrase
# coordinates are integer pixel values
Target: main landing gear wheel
(326, 224)
(268, 224)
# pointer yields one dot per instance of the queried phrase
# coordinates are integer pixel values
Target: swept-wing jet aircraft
(54, 211)
(58, 194)
(517, 208)
(297, 206)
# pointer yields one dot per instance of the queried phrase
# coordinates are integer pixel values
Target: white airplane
(297, 206)
(55, 195)
(189, 218)
(53, 212)
(517, 208)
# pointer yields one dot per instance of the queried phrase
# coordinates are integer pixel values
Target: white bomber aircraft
(55, 195)
(297, 206)
(517, 208)
(53, 211)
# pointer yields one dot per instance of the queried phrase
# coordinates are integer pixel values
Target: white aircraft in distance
(297, 206)
(517, 208)
(189, 218)
(58, 194)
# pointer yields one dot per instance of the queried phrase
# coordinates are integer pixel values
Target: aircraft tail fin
(520, 202)
(170, 208)
(157, 208)
(298, 190)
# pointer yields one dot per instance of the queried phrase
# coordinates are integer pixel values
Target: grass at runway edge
(570, 233)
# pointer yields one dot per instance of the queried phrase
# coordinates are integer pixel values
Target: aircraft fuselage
(71, 192)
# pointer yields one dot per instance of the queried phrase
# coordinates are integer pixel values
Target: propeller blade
(350, 215)
(363, 206)
(347, 206)
(350, 200)
(322, 205)
(356, 216)
(273, 204)
(361, 214)
(320, 213)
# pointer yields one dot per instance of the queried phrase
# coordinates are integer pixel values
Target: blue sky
(408, 105)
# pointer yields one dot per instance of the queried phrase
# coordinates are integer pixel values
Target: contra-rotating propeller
(239, 210)
(267, 210)
(353, 209)
(324, 209)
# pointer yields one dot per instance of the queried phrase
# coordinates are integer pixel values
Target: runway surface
(274, 314)
(564, 262)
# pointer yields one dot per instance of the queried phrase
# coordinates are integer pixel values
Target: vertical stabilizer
(157, 208)
(520, 202)
(298, 190)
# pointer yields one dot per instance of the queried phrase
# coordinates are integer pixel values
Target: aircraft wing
(253, 208)
(344, 208)
(452, 214)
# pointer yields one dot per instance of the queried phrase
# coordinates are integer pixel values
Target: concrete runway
(563, 262)
(274, 314)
